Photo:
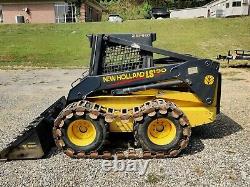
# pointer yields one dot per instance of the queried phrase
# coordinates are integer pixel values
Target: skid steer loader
(126, 90)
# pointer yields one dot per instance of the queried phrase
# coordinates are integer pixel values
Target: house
(48, 11)
(216, 8)
(228, 8)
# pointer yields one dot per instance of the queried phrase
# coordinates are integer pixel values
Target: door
(1, 14)
(208, 13)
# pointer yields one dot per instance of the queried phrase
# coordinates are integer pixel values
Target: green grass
(64, 45)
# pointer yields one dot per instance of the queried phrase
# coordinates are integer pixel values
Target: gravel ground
(218, 154)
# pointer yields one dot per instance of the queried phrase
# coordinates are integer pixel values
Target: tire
(144, 138)
(98, 141)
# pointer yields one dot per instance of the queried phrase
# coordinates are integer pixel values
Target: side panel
(196, 115)
(200, 75)
(197, 112)
(199, 115)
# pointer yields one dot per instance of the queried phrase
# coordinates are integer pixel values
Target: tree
(138, 9)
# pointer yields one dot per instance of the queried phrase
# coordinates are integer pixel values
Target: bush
(127, 9)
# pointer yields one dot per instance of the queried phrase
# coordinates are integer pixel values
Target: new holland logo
(133, 76)
(209, 80)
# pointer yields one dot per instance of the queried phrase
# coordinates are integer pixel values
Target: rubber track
(94, 110)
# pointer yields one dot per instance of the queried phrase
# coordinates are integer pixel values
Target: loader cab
(109, 58)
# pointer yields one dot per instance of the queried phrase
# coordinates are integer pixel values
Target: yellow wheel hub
(161, 131)
(81, 132)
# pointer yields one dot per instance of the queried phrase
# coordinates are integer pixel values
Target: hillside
(63, 45)
(139, 9)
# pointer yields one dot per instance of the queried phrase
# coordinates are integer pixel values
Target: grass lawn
(64, 45)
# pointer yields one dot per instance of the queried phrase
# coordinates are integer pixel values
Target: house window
(236, 4)
(227, 5)
(65, 13)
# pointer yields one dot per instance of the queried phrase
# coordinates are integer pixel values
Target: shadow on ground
(223, 126)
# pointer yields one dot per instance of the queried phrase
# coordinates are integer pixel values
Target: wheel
(83, 134)
(162, 133)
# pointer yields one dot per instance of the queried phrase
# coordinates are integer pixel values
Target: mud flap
(36, 140)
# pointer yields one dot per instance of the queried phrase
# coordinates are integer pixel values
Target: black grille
(121, 58)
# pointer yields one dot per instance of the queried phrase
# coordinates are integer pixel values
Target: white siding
(214, 9)
(230, 11)
(189, 13)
